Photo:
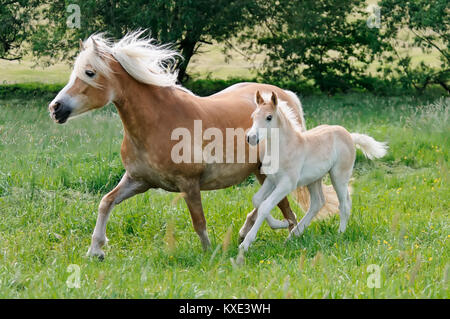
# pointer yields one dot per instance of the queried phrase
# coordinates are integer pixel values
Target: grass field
(53, 177)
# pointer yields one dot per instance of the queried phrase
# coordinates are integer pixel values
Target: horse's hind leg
(317, 200)
(126, 188)
(340, 180)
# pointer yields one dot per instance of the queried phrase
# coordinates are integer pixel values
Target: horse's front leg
(194, 202)
(257, 199)
(126, 188)
(281, 190)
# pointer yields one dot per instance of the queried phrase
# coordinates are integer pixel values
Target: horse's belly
(155, 178)
(216, 176)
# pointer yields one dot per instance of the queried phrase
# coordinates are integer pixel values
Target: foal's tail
(371, 148)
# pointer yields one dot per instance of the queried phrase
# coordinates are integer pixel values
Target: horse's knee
(105, 204)
(264, 209)
(256, 201)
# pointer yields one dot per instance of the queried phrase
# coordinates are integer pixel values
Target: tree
(15, 26)
(324, 42)
(186, 23)
(424, 24)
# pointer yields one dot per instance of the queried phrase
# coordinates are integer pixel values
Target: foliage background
(324, 44)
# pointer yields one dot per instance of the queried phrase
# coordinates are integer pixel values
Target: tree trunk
(187, 48)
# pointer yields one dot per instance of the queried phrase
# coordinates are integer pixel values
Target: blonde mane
(144, 60)
(285, 112)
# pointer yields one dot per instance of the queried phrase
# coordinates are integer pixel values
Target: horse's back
(245, 92)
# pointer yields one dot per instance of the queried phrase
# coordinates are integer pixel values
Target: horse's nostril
(56, 106)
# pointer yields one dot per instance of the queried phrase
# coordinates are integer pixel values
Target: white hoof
(342, 228)
(243, 246)
(297, 231)
(92, 252)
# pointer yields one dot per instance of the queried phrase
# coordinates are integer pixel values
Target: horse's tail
(301, 194)
(370, 148)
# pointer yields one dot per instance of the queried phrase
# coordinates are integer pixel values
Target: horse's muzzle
(252, 139)
(59, 112)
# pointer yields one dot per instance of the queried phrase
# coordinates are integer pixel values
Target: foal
(304, 159)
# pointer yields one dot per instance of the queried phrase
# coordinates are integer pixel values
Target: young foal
(304, 159)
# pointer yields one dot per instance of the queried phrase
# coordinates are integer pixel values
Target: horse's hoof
(243, 247)
(100, 254)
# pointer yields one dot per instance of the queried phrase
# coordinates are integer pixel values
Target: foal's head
(90, 86)
(264, 118)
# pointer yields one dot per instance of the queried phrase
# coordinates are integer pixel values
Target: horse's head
(90, 86)
(264, 118)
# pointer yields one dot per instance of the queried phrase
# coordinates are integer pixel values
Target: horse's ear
(81, 45)
(259, 99)
(274, 99)
(94, 43)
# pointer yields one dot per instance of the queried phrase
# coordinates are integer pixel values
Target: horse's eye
(90, 73)
(269, 118)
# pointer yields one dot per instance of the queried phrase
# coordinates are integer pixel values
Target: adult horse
(134, 74)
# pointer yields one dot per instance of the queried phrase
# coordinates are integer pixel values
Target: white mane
(144, 60)
(285, 111)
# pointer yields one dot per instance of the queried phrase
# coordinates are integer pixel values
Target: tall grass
(52, 178)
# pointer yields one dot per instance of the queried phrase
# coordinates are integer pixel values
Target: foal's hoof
(243, 247)
(98, 253)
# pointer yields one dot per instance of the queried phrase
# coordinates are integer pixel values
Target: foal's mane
(141, 57)
(285, 112)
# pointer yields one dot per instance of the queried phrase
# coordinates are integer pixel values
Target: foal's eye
(89, 73)
(269, 118)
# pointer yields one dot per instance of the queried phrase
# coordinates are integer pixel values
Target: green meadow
(52, 178)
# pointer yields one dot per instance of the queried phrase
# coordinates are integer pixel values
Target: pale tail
(371, 148)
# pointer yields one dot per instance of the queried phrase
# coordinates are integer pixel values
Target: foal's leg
(340, 179)
(126, 188)
(276, 223)
(194, 202)
(280, 191)
(264, 191)
(317, 200)
(284, 207)
(266, 188)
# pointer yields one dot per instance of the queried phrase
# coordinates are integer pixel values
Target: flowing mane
(141, 57)
(285, 112)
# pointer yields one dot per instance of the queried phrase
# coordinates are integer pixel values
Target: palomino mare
(134, 75)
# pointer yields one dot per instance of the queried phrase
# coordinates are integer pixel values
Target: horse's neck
(142, 108)
(288, 134)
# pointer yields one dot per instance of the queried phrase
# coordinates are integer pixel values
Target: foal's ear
(274, 99)
(81, 45)
(259, 99)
